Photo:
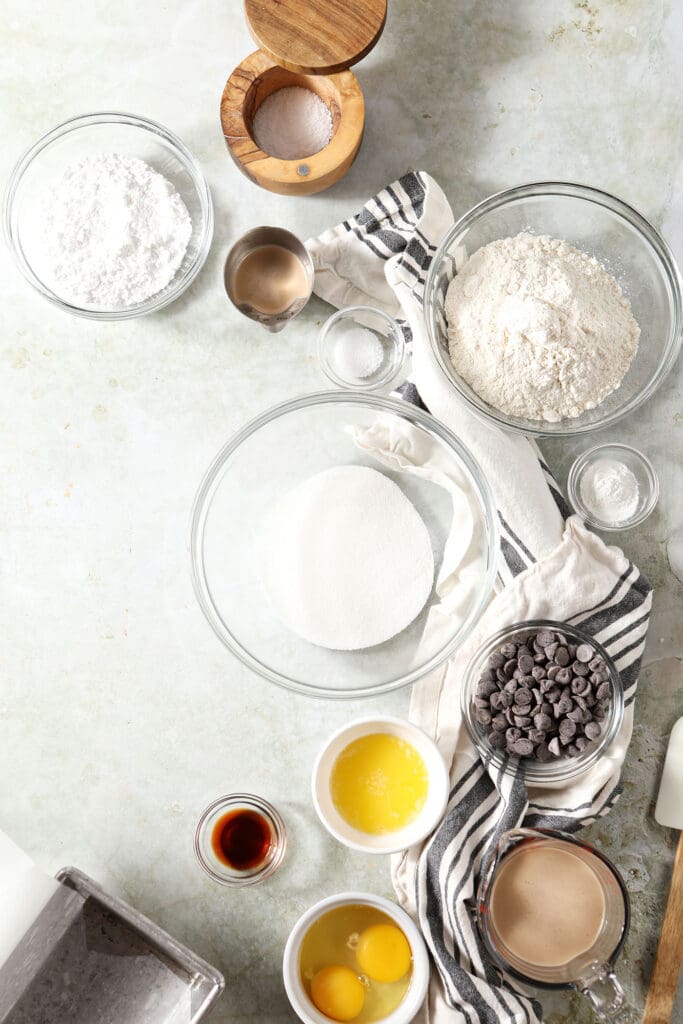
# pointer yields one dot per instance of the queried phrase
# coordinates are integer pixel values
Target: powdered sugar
(539, 329)
(292, 123)
(112, 232)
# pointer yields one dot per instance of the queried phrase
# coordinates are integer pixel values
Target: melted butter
(379, 783)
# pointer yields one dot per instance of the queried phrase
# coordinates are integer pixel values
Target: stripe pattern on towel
(484, 802)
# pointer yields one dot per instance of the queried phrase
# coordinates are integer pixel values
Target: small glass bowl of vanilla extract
(240, 839)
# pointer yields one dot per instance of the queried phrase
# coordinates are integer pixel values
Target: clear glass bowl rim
(574, 491)
(397, 334)
(202, 505)
(255, 803)
(565, 428)
(155, 302)
(567, 768)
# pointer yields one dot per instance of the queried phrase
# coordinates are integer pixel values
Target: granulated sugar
(346, 559)
(111, 232)
(292, 123)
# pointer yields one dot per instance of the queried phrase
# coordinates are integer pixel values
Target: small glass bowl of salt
(613, 487)
(361, 347)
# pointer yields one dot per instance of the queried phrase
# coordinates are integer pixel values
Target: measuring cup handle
(599, 984)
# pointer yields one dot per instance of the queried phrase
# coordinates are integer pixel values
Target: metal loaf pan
(106, 963)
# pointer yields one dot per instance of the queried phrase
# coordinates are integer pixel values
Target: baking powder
(609, 490)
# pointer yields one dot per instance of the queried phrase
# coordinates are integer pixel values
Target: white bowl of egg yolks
(419, 965)
(380, 785)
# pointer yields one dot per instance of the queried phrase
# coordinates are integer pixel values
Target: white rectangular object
(669, 809)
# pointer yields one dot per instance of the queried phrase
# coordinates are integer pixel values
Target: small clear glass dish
(640, 466)
(364, 362)
(546, 774)
(220, 871)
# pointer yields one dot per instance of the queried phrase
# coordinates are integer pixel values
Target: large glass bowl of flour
(601, 226)
(102, 135)
(283, 451)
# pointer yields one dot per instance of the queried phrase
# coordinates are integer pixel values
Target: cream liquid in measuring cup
(270, 278)
(547, 905)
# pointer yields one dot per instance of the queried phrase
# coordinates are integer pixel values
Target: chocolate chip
(592, 730)
(480, 702)
(525, 662)
(579, 669)
(584, 652)
(542, 721)
(486, 688)
(545, 638)
(483, 716)
(499, 722)
(497, 740)
(523, 747)
(511, 685)
(542, 753)
(562, 656)
(523, 696)
(508, 650)
(563, 677)
(538, 673)
(536, 736)
(604, 690)
(509, 667)
(522, 721)
(554, 747)
(496, 660)
(552, 671)
(512, 734)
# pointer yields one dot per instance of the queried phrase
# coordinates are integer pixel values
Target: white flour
(609, 489)
(292, 123)
(112, 232)
(539, 329)
(346, 559)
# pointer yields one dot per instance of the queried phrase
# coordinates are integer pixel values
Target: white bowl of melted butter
(380, 785)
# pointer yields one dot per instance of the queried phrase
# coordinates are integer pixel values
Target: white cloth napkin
(550, 567)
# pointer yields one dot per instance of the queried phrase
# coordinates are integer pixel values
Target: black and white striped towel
(550, 566)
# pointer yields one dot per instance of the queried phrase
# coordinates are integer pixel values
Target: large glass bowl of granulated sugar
(372, 587)
(603, 228)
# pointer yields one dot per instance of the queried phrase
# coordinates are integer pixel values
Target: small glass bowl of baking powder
(613, 487)
(361, 348)
(85, 138)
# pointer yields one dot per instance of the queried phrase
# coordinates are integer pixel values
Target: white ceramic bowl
(296, 993)
(390, 842)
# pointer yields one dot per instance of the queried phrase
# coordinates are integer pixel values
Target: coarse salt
(292, 123)
(357, 353)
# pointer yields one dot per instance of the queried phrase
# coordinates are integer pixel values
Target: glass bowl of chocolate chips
(544, 696)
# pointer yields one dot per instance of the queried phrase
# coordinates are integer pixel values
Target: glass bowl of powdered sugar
(554, 309)
(109, 216)
(343, 544)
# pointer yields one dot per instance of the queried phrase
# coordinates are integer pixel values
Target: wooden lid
(316, 37)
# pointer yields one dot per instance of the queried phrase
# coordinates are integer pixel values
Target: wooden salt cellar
(309, 43)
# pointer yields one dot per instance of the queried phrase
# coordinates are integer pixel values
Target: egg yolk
(337, 992)
(383, 953)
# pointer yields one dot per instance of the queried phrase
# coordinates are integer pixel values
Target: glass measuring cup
(591, 972)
